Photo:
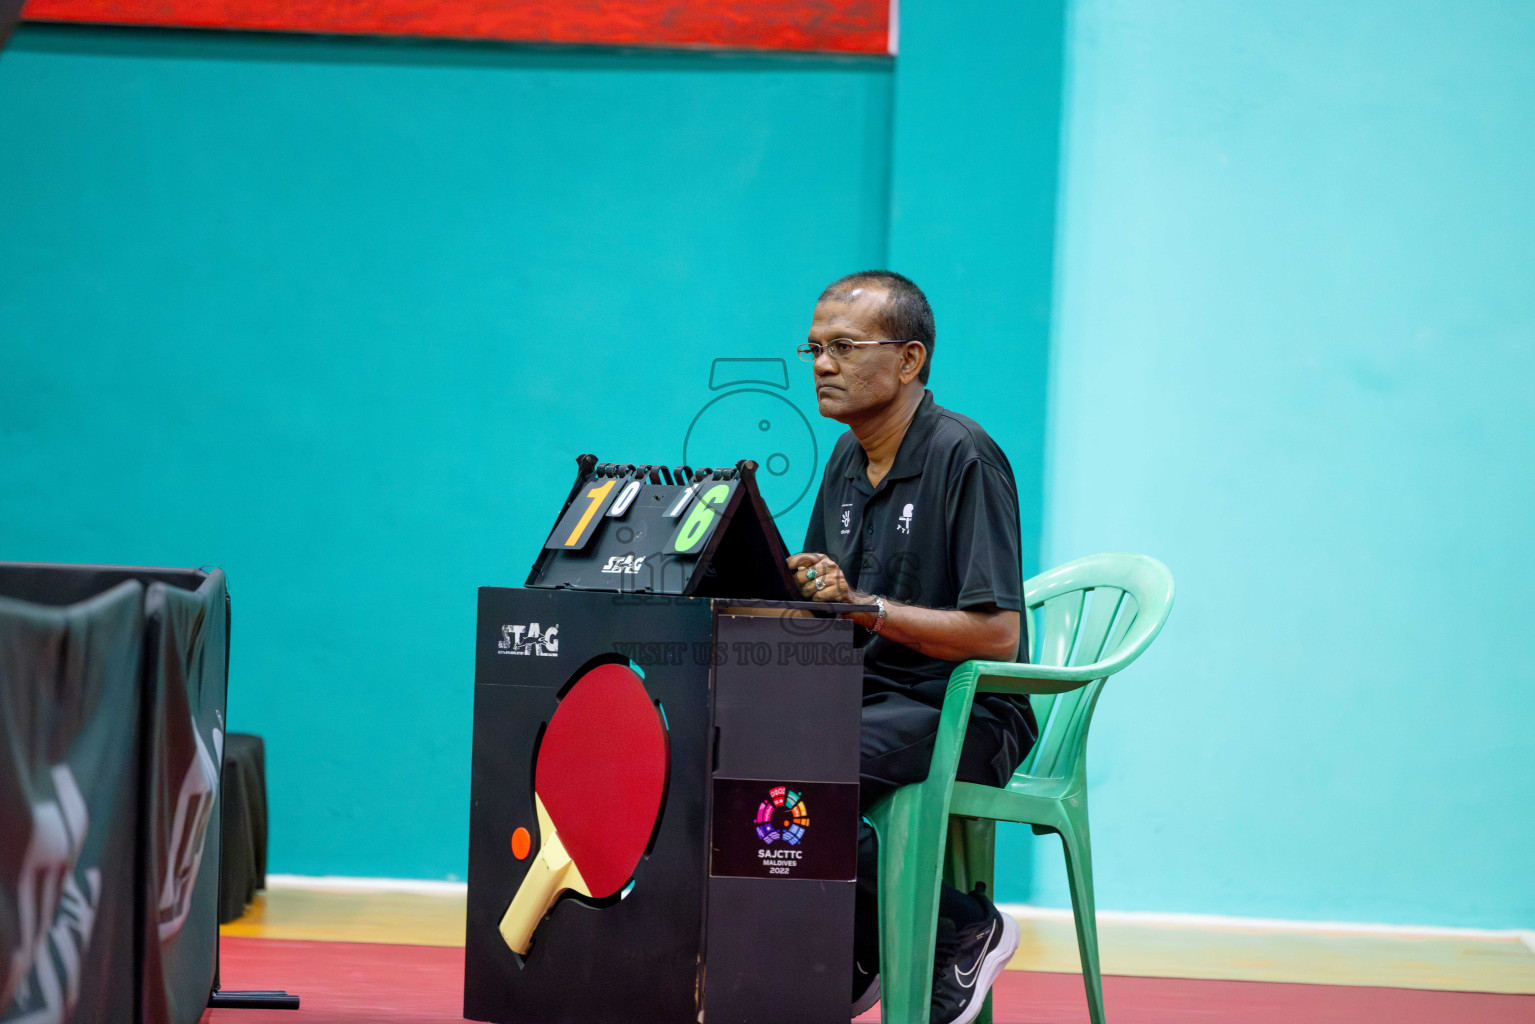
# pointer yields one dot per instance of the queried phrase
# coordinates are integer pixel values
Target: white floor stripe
(343, 883)
(1217, 922)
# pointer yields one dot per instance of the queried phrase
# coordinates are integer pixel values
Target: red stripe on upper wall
(826, 26)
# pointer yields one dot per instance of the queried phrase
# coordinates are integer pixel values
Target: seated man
(917, 513)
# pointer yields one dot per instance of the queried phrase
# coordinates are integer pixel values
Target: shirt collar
(910, 457)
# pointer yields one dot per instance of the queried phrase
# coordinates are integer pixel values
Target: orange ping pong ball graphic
(521, 843)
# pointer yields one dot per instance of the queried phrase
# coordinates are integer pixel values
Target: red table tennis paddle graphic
(598, 784)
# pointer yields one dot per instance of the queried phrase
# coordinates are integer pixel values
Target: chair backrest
(1095, 609)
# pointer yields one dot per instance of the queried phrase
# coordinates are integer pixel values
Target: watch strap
(879, 618)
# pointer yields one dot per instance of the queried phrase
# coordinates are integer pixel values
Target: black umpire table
(741, 909)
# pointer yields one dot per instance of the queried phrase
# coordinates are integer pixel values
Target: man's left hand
(811, 568)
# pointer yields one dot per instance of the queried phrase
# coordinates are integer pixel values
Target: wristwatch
(879, 618)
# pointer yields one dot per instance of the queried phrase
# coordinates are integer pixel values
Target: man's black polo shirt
(941, 531)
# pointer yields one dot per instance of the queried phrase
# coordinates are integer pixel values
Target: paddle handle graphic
(549, 874)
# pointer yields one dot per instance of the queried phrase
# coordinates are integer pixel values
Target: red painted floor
(353, 983)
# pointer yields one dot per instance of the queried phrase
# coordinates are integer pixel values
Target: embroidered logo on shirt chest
(847, 519)
(903, 522)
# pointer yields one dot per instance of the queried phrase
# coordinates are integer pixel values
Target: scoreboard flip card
(582, 517)
(701, 516)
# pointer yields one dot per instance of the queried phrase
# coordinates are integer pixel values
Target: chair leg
(1079, 873)
(980, 852)
(912, 831)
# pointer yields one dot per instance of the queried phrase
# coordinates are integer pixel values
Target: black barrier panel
(70, 688)
(186, 661)
(169, 839)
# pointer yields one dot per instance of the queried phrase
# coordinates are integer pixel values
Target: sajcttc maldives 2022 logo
(781, 818)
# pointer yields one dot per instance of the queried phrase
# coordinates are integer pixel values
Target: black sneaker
(968, 960)
(865, 988)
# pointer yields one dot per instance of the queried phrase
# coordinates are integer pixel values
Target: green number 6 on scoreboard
(700, 520)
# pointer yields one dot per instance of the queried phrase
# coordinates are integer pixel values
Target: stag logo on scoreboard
(189, 830)
(56, 905)
(530, 640)
(627, 565)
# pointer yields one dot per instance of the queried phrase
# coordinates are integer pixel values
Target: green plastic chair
(1094, 617)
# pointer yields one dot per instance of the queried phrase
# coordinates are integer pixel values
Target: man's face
(869, 378)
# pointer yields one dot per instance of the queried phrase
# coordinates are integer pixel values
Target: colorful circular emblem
(782, 816)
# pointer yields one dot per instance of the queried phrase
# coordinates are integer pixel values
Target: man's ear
(912, 358)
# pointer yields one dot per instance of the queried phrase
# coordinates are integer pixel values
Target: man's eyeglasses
(839, 348)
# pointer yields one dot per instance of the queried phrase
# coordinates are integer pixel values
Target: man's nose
(824, 364)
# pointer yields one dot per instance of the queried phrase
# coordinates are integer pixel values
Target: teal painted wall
(1294, 358)
(338, 316)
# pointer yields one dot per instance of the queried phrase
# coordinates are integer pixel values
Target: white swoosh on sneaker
(967, 978)
(993, 964)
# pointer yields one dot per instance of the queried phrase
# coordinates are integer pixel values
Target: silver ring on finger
(820, 584)
(810, 574)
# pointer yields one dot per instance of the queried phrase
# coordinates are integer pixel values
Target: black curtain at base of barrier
(148, 751)
(242, 857)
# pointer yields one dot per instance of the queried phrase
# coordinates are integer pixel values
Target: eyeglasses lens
(840, 350)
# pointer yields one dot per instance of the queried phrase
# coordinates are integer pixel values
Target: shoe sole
(868, 999)
(992, 966)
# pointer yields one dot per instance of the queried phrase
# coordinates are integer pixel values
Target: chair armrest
(1014, 677)
(973, 677)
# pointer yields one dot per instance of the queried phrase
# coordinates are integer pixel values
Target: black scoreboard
(665, 530)
(741, 909)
